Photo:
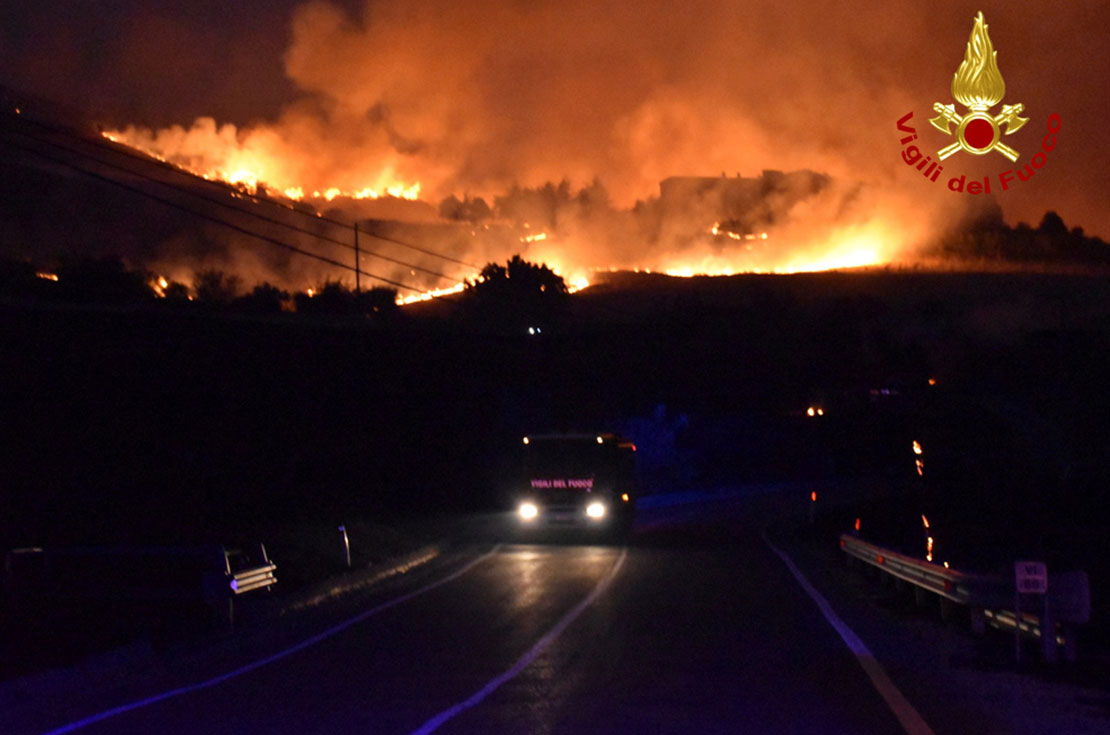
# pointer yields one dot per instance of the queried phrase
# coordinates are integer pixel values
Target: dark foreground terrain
(719, 615)
(183, 426)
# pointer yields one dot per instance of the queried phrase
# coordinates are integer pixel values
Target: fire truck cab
(577, 480)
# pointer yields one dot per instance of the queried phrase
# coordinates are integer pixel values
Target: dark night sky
(158, 63)
(489, 92)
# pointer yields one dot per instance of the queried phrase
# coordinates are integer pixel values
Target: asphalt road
(694, 625)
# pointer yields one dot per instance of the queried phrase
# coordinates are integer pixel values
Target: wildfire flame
(978, 83)
(429, 295)
(575, 283)
(257, 165)
(717, 231)
(854, 247)
(251, 169)
(159, 286)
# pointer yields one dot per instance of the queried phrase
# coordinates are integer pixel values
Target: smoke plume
(474, 98)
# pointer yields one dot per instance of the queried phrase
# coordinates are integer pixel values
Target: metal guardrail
(960, 587)
(211, 574)
(990, 598)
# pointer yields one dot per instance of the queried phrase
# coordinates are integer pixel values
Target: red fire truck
(577, 480)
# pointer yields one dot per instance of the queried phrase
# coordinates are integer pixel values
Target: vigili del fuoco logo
(978, 86)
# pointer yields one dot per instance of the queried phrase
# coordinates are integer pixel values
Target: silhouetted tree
(379, 301)
(103, 281)
(17, 278)
(1052, 225)
(335, 299)
(450, 208)
(216, 287)
(518, 293)
(332, 298)
(264, 299)
(176, 291)
(594, 196)
(466, 210)
(475, 210)
(538, 207)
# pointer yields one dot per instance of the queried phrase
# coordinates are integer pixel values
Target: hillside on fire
(223, 341)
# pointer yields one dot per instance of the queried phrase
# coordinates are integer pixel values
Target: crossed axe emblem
(978, 132)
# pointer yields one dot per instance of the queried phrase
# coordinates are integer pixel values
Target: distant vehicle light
(528, 511)
(527, 440)
(624, 497)
(595, 510)
(600, 440)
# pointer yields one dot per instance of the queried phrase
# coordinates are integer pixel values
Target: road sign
(1031, 577)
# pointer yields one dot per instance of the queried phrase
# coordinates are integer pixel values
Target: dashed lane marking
(523, 662)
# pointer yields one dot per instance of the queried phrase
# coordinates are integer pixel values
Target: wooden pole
(358, 273)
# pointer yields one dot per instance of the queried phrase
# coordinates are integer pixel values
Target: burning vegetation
(398, 109)
(418, 148)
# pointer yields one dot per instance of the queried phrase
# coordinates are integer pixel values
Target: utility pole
(358, 274)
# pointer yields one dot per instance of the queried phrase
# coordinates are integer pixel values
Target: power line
(411, 246)
(210, 218)
(124, 150)
(227, 205)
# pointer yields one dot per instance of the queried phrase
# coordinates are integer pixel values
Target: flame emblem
(978, 86)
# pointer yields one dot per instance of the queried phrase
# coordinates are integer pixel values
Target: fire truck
(577, 480)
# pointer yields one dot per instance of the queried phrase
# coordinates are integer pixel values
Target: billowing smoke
(474, 98)
(477, 96)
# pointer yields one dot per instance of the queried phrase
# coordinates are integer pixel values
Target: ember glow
(394, 103)
(159, 286)
(429, 295)
(255, 163)
(333, 103)
(787, 231)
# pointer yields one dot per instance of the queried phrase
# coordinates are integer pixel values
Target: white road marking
(307, 643)
(523, 662)
(912, 722)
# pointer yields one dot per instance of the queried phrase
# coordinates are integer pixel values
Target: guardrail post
(1048, 635)
(978, 621)
(1071, 644)
(947, 609)
(224, 606)
(346, 546)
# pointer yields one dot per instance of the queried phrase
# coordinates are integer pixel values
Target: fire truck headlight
(595, 510)
(528, 511)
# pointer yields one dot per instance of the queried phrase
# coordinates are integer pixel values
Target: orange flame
(252, 169)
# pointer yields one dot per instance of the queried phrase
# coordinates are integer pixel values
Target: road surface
(696, 625)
